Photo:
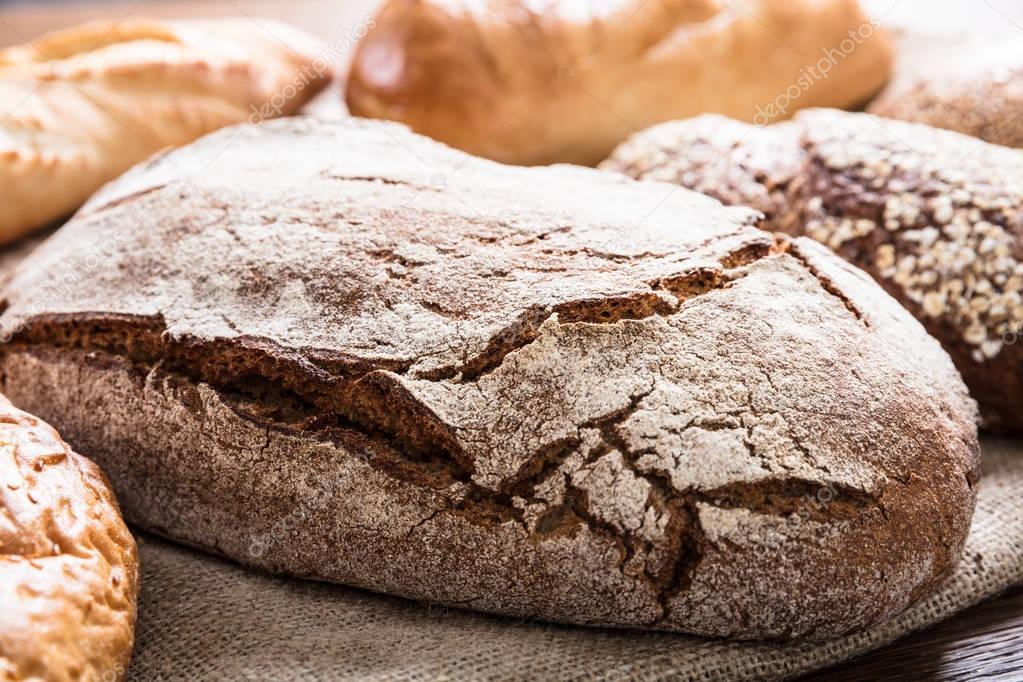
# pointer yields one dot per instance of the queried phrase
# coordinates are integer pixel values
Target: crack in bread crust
(546, 409)
(932, 217)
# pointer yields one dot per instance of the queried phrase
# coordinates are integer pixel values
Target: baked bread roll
(978, 91)
(934, 216)
(345, 352)
(68, 565)
(539, 83)
(84, 104)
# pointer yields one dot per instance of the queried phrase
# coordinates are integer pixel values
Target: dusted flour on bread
(347, 352)
(933, 215)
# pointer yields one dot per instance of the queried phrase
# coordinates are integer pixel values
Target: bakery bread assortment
(934, 216)
(68, 565)
(978, 91)
(344, 352)
(84, 104)
(726, 384)
(545, 82)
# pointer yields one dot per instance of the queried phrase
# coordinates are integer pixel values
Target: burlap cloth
(204, 618)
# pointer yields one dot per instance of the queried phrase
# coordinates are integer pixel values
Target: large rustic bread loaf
(346, 352)
(977, 91)
(934, 216)
(68, 565)
(546, 82)
(80, 106)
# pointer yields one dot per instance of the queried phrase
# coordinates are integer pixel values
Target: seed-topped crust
(934, 216)
(557, 393)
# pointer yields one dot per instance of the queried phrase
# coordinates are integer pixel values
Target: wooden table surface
(985, 642)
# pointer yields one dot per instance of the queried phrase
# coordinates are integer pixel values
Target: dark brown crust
(595, 400)
(933, 216)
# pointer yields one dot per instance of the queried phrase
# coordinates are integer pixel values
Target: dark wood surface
(985, 642)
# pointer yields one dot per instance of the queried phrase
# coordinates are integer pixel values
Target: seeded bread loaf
(978, 91)
(545, 82)
(68, 565)
(933, 215)
(347, 352)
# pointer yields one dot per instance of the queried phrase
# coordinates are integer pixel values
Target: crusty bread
(977, 91)
(537, 83)
(84, 104)
(347, 352)
(933, 215)
(68, 565)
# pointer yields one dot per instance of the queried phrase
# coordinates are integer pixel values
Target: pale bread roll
(84, 104)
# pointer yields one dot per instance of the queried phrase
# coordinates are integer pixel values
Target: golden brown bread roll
(83, 105)
(551, 81)
(68, 565)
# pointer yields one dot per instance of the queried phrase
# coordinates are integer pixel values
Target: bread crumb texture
(68, 565)
(347, 352)
(933, 215)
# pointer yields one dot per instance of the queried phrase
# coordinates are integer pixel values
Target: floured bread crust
(933, 215)
(553, 393)
(84, 104)
(68, 565)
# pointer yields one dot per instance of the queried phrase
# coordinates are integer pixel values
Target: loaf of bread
(977, 91)
(347, 352)
(84, 104)
(68, 565)
(538, 83)
(934, 216)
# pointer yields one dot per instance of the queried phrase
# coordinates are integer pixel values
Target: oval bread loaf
(68, 565)
(348, 352)
(933, 215)
(546, 82)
